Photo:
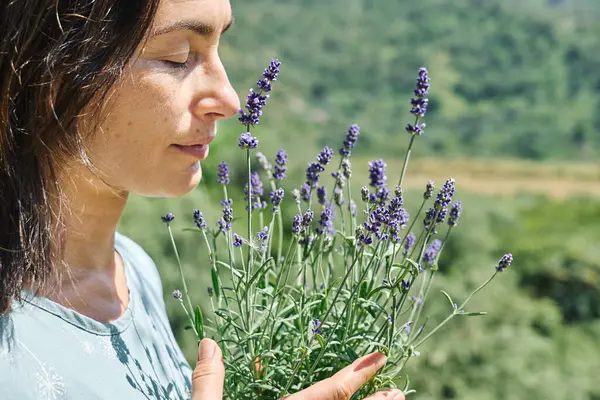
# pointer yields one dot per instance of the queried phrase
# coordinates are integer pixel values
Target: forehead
(213, 12)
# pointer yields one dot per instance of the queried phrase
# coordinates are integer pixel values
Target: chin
(174, 185)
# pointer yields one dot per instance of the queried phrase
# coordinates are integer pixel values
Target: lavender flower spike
(429, 190)
(247, 141)
(409, 242)
(420, 102)
(199, 219)
(455, 212)
(432, 252)
(223, 173)
(257, 100)
(297, 224)
(276, 198)
(351, 138)
(280, 165)
(504, 262)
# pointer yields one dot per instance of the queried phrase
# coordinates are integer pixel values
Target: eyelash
(178, 65)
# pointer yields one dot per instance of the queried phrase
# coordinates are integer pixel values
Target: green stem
(455, 311)
(407, 155)
(185, 289)
(191, 320)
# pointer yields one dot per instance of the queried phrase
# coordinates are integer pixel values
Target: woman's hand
(208, 376)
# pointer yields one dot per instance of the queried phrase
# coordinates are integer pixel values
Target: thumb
(209, 374)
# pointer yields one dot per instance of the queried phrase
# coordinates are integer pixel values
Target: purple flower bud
(377, 173)
(416, 129)
(305, 192)
(312, 173)
(247, 141)
(167, 218)
(297, 224)
(322, 194)
(324, 157)
(409, 242)
(256, 192)
(225, 222)
(178, 295)
(237, 240)
(272, 71)
(346, 168)
(308, 218)
(429, 190)
(276, 198)
(364, 193)
(210, 291)
(326, 222)
(316, 326)
(353, 207)
(262, 237)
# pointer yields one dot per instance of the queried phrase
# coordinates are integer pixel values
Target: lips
(198, 151)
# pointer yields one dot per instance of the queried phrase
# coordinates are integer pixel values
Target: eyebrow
(199, 28)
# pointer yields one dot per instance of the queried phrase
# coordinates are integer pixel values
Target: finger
(209, 374)
(393, 394)
(347, 381)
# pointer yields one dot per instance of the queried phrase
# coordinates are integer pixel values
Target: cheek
(132, 148)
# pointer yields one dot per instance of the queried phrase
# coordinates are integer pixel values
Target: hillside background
(514, 118)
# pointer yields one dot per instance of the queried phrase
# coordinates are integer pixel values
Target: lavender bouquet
(288, 314)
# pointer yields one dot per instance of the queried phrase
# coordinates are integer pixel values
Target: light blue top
(50, 352)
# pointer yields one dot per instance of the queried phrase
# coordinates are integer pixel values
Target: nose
(216, 99)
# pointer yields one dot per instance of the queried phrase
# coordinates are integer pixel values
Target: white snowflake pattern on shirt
(88, 347)
(50, 383)
(107, 348)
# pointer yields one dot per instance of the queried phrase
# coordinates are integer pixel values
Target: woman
(98, 99)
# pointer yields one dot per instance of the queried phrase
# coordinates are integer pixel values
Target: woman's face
(163, 112)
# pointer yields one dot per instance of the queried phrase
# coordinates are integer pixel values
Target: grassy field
(503, 177)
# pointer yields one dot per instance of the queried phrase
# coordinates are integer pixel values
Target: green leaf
(352, 355)
(472, 314)
(449, 299)
(414, 265)
(215, 281)
(377, 290)
(233, 270)
(321, 340)
(259, 272)
(199, 322)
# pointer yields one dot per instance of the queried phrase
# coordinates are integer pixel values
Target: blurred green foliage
(509, 78)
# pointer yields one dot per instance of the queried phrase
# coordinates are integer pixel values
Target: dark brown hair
(58, 58)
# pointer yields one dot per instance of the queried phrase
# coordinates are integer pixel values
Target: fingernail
(375, 359)
(207, 349)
